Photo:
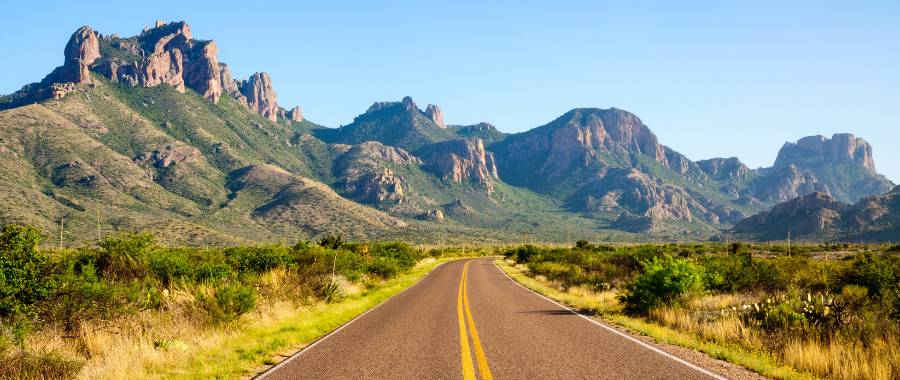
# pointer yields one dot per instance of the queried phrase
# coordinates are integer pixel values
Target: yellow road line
(483, 368)
(468, 368)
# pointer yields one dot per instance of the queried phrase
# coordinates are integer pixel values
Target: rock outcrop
(164, 67)
(434, 113)
(365, 175)
(81, 51)
(202, 73)
(261, 97)
(633, 192)
(296, 114)
(462, 160)
(433, 215)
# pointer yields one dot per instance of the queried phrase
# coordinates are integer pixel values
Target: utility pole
(789, 242)
(61, 229)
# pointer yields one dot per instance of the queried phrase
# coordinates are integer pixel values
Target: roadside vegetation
(814, 310)
(130, 307)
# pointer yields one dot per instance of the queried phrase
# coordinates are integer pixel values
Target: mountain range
(152, 132)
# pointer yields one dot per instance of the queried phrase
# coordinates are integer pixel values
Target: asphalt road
(468, 320)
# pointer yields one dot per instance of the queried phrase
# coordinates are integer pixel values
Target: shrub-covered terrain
(832, 310)
(56, 305)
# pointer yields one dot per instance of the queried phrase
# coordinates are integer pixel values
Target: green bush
(384, 267)
(169, 266)
(258, 259)
(879, 274)
(229, 302)
(663, 282)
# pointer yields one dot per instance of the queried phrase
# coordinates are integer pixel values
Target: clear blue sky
(718, 78)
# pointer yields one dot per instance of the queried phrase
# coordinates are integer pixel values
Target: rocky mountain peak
(81, 51)
(409, 104)
(817, 150)
(434, 113)
(261, 97)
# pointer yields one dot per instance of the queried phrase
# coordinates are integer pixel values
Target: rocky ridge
(166, 54)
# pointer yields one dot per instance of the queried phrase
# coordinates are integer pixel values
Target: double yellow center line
(465, 316)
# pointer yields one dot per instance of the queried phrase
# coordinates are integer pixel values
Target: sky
(711, 79)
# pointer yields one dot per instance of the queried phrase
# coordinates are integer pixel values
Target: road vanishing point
(468, 320)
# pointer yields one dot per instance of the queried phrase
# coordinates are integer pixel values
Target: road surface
(468, 320)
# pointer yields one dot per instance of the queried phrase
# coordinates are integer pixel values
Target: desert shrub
(384, 267)
(82, 295)
(210, 272)
(22, 277)
(228, 302)
(403, 254)
(169, 266)
(583, 244)
(331, 241)
(258, 259)
(663, 282)
(732, 273)
(522, 254)
(302, 246)
(124, 256)
(879, 274)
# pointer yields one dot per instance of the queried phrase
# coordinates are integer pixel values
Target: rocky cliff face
(640, 200)
(202, 73)
(164, 67)
(434, 113)
(260, 95)
(462, 160)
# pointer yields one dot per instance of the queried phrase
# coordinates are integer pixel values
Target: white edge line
(603, 325)
(295, 355)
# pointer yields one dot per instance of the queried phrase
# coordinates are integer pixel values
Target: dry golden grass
(846, 360)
